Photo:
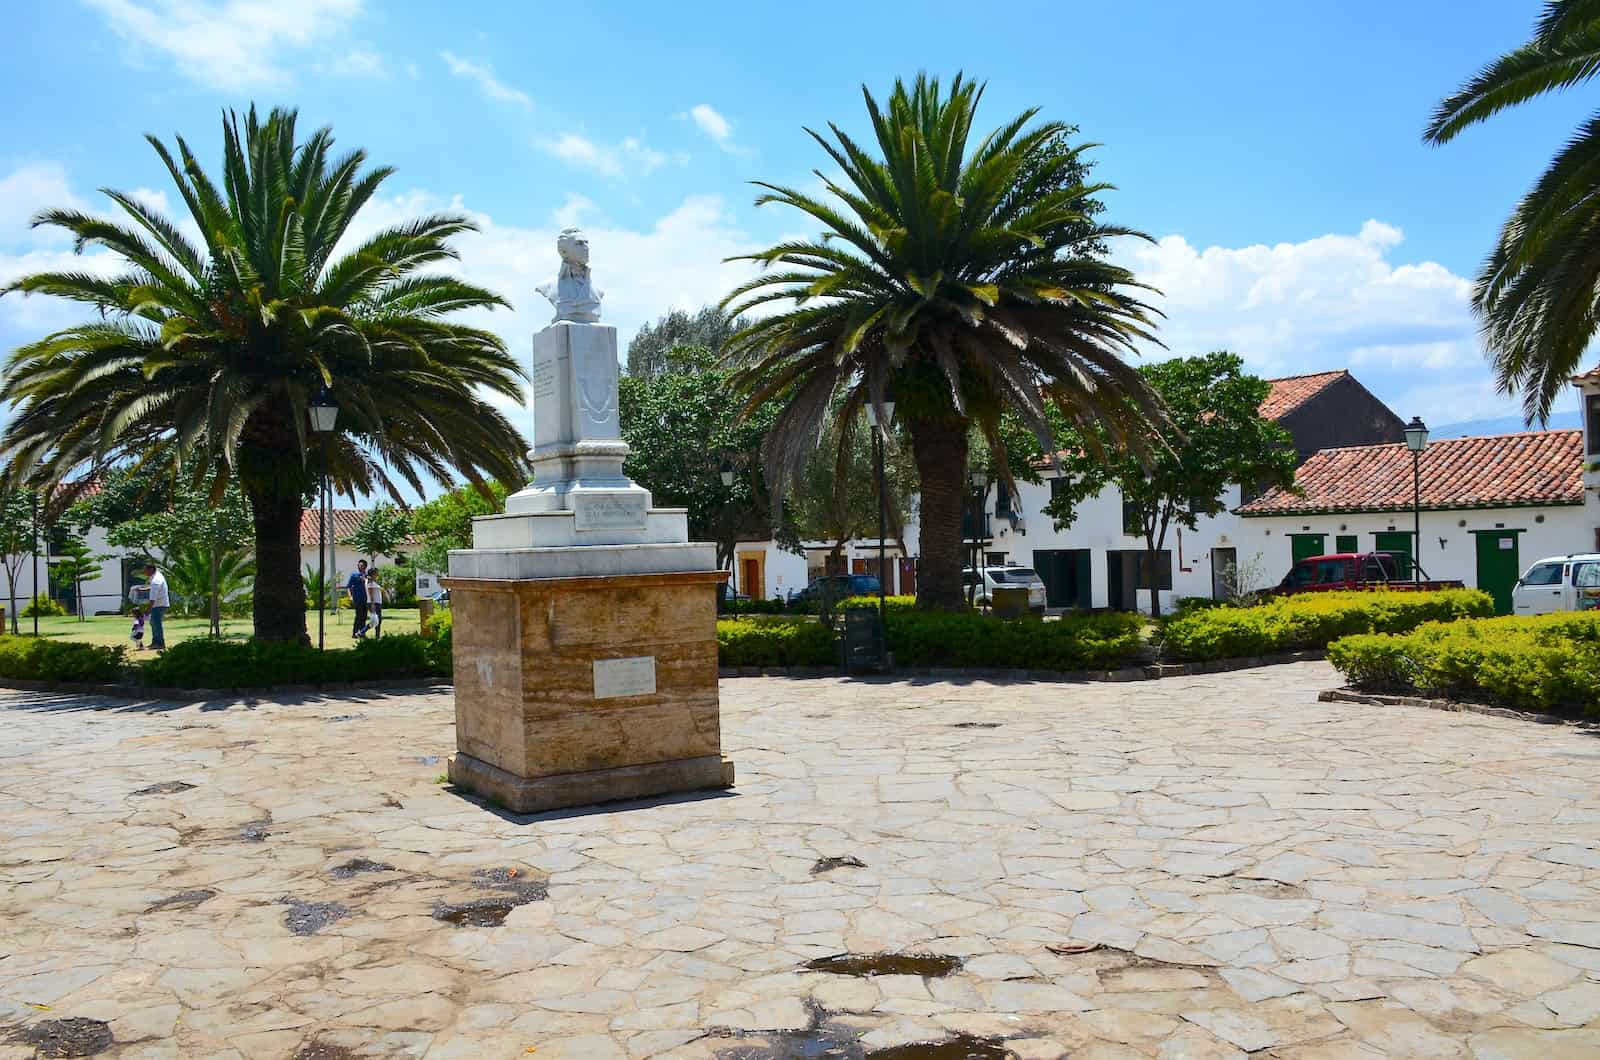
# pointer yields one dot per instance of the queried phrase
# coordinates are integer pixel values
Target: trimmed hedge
(39, 659)
(940, 639)
(1536, 662)
(1312, 620)
(774, 641)
(204, 663)
(441, 642)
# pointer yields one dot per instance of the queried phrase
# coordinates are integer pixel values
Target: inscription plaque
(634, 676)
(608, 511)
(544, 378)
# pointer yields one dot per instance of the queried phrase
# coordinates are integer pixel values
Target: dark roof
(1486, 471)
(1292, 391)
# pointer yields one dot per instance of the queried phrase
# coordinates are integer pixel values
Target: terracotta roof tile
(1292, 391)
(343, 524)
(1491, 471)
(1589, 376)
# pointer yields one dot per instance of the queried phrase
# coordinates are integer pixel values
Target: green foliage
(445, 522)
(1537, 662)
(965, 279)
(210, 663)
(17, 542)
(1220, 439)
(440, 637)
(754, 607)
(204, 357)
(769, 641)
(44, 607)
(39, 659)
(189, 578)
(835, 497)
(380, 532)
(73, 563)
(967, 639)
(317, 588)
(1312, 620)
(1535, 292)
(940, 639)
(399, 583)
(683, 425)
(652, 348)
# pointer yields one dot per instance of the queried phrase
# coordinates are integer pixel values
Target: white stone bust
(572, 291)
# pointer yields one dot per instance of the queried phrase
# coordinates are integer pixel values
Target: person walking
(356, 586)
(375, 602)
(156, 582)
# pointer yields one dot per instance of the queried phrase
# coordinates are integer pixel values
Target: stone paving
(1197, 867)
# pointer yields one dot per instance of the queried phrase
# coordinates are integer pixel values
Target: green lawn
(113, 629)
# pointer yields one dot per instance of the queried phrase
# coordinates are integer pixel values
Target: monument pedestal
(585, 622)
(571, 691)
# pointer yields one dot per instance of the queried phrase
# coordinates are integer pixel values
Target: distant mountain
(1503, 425)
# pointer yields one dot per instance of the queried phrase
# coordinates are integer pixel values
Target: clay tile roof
(1584, 377)
(1492, 471)
(1292, 391)
(341, 526)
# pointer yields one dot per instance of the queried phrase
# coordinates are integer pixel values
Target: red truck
(1353, 570)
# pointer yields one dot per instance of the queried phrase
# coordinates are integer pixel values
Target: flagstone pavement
(1207, 866)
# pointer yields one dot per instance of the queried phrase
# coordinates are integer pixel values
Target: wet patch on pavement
(308, 918)
(166, 787)
(356, 866)
(182, 900)
(69, 1037)
(927, 965)
(847, 861)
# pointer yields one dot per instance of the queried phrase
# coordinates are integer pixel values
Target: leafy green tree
(683, 429)
(1536, 293)
(708, 326)
(965, 280)
(74, 563)
(207, 356)
(17, 543)
(835, 498)
(194, 523)
(381, 532)
(445, 522)
(1222, 440)
(317, 588)
(204, 578)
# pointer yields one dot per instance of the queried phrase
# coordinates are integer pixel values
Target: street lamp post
(726, 474)
(976, 478)
(878, 432)
(1416, 441)
(324, 414)
(35, 601)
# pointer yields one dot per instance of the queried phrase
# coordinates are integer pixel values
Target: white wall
(1549, 531)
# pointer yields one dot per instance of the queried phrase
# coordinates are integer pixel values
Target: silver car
(1006, 577)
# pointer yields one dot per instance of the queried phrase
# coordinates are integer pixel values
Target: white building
(1491, 506)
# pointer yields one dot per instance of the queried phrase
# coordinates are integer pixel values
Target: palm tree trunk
(939, 447)
(279, 610)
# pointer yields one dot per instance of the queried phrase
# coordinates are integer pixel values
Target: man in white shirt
(159, 603)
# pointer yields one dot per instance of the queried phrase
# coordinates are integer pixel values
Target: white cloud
(490, 85)
(360, 61)
(570, 212)
(610, 160)
(228, 45)
(27, 190)
(1334, 301)
(715, 125)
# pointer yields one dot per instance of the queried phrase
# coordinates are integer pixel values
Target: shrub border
(1152, 672)
(1456, 706)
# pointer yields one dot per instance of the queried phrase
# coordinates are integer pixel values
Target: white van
(1009, 577)
(1560, 583)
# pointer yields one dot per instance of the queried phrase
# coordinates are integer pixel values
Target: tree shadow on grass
(339, 701)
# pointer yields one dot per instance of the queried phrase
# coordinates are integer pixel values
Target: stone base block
(537, 794)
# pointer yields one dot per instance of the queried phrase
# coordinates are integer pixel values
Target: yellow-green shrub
(775, 641)
(1312, 620)
(1543, 662)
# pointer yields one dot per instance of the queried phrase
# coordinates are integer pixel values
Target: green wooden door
(1304, 545)
(1498, 567)
(1347, 543)
(1398, 542)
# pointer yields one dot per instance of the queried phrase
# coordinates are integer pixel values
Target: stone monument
(585, 619)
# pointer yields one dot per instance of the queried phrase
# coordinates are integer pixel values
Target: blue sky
(1272, 149)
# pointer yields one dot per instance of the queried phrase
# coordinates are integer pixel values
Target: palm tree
(189, 573)
(207, 355)
(1536, 294)
(964, 280)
